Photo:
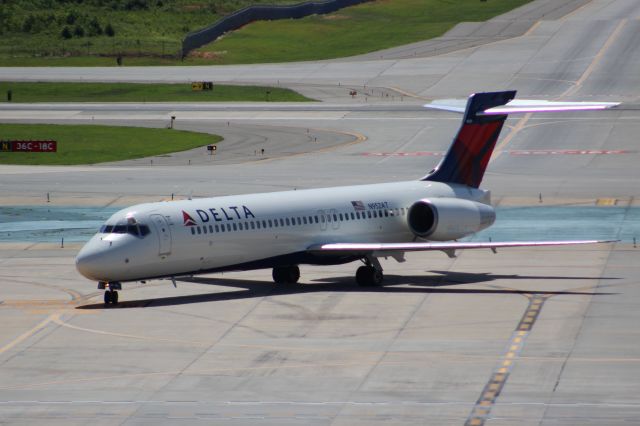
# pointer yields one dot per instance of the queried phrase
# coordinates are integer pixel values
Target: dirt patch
(334, 17)
(207, 55)
(193, 7)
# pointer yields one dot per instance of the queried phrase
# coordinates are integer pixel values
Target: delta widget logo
(188, 220)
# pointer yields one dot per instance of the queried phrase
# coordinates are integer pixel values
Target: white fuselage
(255, 231)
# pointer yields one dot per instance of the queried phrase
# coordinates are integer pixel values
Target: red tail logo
(188, 220)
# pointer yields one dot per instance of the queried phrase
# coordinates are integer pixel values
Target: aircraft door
(323, 220)
(164, 233)
(335, 223)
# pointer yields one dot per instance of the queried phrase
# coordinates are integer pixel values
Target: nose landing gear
(111, 295)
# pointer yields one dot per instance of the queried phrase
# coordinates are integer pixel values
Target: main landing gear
(370, 274)
(110, 295)
(286, 274)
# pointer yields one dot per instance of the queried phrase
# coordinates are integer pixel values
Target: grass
(32, 30)
(351, 31)
(147, 34)
(79, 144)
(136, 92)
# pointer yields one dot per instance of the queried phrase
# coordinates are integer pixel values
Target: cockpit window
(106, 229)
(138, 230)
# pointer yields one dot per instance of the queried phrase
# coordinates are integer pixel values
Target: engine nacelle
(444, 219)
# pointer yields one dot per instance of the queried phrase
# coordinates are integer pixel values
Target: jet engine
(444, 219)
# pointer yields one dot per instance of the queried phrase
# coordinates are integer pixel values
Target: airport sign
(28, 146)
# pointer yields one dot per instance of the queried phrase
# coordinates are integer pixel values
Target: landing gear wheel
(111, 297)
(376, 278)
(368, 276)
(286, 274)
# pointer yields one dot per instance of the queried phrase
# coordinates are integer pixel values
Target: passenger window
(287, 221)
(321, 219)
(253, 225)
(222, 228)
(317, 219)
(217, 228)
(281, 222)
(198, 230)
(304, 219)
(234, 227)
(341, 218)
(193, 231)
(299, 221)
(335, 217)
(228, 227)
(358, 215)
(353, 216)
(204, 229)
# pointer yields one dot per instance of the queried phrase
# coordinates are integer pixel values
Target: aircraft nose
(91, 262)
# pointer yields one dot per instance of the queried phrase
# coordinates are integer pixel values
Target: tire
(368, 276)
(286, 274)
(114, 297)
(293, 274)
(277, 275)
(363, 276)
(107, 297)
(376, 277)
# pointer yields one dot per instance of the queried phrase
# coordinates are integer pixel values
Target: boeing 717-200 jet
(326, 226)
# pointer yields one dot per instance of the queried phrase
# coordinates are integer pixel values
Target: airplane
(326, 226)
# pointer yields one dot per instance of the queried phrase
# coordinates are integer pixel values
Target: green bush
(109, 31)
(95, 29)
(78, 31)
(66, 33)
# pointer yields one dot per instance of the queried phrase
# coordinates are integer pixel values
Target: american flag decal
(358, 206)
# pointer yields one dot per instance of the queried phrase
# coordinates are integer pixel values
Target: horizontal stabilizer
(367, 248)
(519, 106)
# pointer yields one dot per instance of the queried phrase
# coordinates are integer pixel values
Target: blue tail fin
(469, 154)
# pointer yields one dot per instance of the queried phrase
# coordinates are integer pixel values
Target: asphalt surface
(528, 336)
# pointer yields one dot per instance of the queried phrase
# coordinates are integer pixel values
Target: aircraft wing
(369, 248)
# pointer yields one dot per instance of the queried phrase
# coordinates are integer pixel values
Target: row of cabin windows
(299, 221)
